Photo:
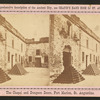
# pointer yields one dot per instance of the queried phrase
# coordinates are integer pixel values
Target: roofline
(83, 26)
(79, 23)
(36, 42)
(10, 28)
(31, 41)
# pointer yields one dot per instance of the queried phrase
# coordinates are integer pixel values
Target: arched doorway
(67, 56)
(69, 74)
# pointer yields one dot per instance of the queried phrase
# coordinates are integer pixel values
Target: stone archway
(67, 48)
(69, 74)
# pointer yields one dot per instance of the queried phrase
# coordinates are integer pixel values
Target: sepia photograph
(75, 50)
(49, 50)
(24, 50)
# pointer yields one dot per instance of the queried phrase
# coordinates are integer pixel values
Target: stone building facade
(2, 47)
(12, 45)
(69, 30)
(37, 52)
(14, 48)
(64, 30)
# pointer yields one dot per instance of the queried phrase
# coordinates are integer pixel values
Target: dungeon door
(69, 74)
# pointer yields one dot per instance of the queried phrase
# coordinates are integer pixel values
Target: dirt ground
(40, 77)
(34, 77)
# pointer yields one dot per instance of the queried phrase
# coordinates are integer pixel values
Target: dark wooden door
(38, 62)
(66, 59)
(12, 60)
(86, 60)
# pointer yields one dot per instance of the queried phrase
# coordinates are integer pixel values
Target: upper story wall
(13, 39)
(42, 45)
(14, 43)
(86, 36)
(69, 30)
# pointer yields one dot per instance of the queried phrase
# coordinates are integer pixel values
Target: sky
(37, 26)
(29, 25)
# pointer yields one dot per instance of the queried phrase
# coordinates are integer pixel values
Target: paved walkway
(34, 77)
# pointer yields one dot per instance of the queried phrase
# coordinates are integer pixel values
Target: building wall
(31, 51)
(18, 49)
(15, 49)
(2, 48)
(57, 43)
(90, 50)
(78, 45)
(6, 46)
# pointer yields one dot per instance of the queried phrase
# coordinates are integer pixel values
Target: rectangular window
(82, 56)
(87, 44)
(96, 47)
(38, 52)
(69, 25)
(8, 56)
(98, 58)
(15, 57)
(19, 58)
(94, 57)
(21, 47)
(12, 43)
(46, 59)
(90, 57)
(30, 58)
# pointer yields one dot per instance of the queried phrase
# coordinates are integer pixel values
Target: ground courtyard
(40, 77)
(34, 77)
(90, 81)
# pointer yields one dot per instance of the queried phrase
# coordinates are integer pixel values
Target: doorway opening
(67, 56)
(37, 62)
(12, 59)
(86, 60)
